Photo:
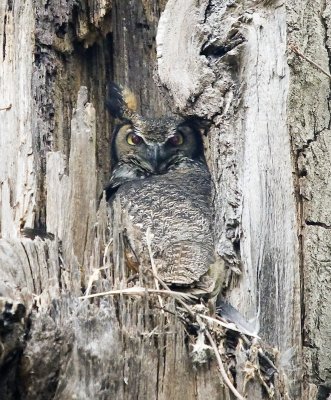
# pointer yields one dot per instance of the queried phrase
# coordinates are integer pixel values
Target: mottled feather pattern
(114, 100)
(160, 189)
(176, 207)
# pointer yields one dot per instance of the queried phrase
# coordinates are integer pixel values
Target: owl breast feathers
(161, 186)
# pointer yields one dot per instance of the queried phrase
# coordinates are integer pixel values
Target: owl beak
(163, 162)
(157, 158)
(153, 156)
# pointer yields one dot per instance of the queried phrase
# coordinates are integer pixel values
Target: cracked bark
(268, 150)
(312, 157)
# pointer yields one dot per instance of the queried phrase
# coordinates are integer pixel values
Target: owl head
(141, 147)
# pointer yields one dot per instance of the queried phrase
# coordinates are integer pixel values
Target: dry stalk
(157, 286)
(106, 252)
(135, 291)
(228, 325)
(195, 315)
(179, 300)
(93, 278)
(6, 108)
(224, 375)
(296, 50)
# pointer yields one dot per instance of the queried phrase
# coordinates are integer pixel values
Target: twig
(267, 359)
(196, 316)
(159, 280)
(148, 240)
(93, 278)
(135, 291)
(228, 325)
(179, 300)
(221, 367)
(106, 251)
(6, 108)
(296, 50)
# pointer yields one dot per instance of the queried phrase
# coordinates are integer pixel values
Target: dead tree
(259, 71)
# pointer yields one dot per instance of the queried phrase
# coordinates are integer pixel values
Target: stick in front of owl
(160, 184)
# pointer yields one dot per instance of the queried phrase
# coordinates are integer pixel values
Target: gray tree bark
(268, 149)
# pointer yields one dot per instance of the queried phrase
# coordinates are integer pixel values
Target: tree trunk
(236, 63)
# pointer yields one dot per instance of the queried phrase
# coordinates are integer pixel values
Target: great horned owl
(161, 184)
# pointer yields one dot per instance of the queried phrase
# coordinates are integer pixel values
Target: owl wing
(176, 209)
(184, 262)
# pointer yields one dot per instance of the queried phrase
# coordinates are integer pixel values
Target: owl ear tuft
(122, 103)
(130, 100)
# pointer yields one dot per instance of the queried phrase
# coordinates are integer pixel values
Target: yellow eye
(133, 139)
(176, 140)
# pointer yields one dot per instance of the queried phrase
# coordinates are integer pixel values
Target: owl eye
(176, 140)
(133, 139)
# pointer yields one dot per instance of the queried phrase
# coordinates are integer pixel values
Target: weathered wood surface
(309, 128)
(247, 77)
(269, 153)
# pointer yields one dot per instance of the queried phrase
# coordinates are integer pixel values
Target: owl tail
(121, 102)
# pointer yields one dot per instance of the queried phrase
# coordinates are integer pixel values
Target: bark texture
(309, 128)
(268, 150)
(245, 88)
